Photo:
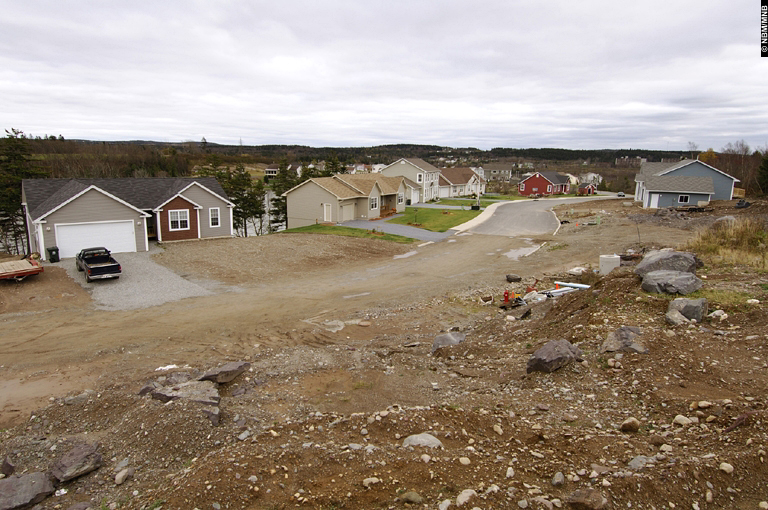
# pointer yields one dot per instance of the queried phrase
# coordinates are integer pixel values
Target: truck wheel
(87, 279)
(80, 269)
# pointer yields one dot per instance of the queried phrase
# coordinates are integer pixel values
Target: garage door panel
(116, 236)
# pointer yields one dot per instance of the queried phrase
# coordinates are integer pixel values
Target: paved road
(520, 217)
(400, 230)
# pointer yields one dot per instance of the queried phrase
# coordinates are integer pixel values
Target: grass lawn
(436, 220)
(349, 232)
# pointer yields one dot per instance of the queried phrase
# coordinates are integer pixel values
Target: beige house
(460, 182)
(344, 197)
(418, 171)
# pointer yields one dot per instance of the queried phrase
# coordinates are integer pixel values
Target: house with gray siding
(677, 191)
(418, 171)
(653, 175)
(344, 197)
(122, 214)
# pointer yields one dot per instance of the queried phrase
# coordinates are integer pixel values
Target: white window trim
(419, 178)
(210, 217)
(686, 201)
(522, 186)
(400, 198)
(374, 203)
(549, 188)
(180, 219)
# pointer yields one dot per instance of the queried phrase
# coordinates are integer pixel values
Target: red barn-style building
(545, 183)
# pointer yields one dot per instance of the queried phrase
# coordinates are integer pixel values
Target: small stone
(465, 496)
(665, 448)
(726, 468)
(630, 425)
(558, 479)
(444, 504)
(510, 472)
(124, 475)
(711, 497)
(704, 404)
(465, 461)
(763, 505)
(370, 481)
(424, 439)
(426, 458)
(497, 428)
(681, 420)
(412, 497)
(523, 503)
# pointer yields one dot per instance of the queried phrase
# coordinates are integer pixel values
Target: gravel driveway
(142, 284)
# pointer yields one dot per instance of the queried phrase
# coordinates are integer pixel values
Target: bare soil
(323, 409)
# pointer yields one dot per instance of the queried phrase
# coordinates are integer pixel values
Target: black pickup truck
(98, 264)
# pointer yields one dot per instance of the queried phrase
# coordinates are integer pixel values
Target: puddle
(516, 253)
(356, 295)
(406, 255)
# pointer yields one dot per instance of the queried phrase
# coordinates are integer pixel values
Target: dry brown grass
(742, 241)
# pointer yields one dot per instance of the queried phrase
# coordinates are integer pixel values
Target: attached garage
(116, 236)
(348, 212)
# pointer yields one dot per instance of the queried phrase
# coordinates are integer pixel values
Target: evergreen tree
(762, 175)
(15, 164)
(282, 182)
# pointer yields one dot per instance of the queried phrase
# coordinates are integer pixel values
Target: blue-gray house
(681, 183)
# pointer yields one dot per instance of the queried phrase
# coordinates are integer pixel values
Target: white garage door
(116, 236)
(348, 212)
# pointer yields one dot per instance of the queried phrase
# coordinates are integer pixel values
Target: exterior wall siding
(536, 184)
(723, 184)
(668, 199)
(208, 201)
(91, 207)
(178, 235)
(305, 205)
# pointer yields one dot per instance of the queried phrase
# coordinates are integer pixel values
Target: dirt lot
(338, 333)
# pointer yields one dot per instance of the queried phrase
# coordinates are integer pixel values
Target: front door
(327, 212)
(654, 200)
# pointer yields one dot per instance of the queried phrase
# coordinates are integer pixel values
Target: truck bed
(19, 269)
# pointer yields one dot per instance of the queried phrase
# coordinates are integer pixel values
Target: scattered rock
(447, 339)
(587, 499)
(6, 468)
(726, 468)
(465, 496)
(624, 339)
(558, 479)
(226, 372)
(681, 420)
(638, 463)
(124, 475)
(412, 498)
(666, 260)
(213, 414)
(630, 425)
(675, 318)
(691, 309)
(513, 278)
(24, 491)
(80, 460)
(204, 392)
(671, 282)
(370, 481)
(423, 439)
(464, 461)
(553, 355)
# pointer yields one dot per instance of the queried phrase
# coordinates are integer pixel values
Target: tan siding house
(344, 197)
(426, 176)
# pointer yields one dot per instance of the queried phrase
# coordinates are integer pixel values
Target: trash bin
(53, 254)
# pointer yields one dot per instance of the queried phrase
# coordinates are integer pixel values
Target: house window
(374, 203)
(400, 198)
(420, 178)
(179, 219)
(522, 186)
(549, 188)
(683, 199)
(213, 216)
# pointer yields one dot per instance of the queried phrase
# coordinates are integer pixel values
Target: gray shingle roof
(680, 184)
(555, 178)
(43, 195)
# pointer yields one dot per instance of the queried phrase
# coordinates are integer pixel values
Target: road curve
(520, 217)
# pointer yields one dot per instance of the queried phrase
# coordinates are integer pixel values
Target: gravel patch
(143, 283)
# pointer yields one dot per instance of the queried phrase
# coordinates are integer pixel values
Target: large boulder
(24, 491)
(666, 260)
(448, 339)
(80, 460)
(624, 339)
(423, 439)
(671, 282)
(553, 355)
(203, 392)
(226, 373)
(691, 309)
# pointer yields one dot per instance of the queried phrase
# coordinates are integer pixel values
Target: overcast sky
(582, 74)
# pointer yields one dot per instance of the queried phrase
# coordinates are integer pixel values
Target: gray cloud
(591, 74)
